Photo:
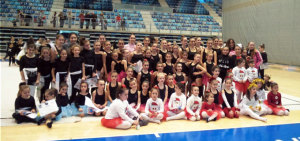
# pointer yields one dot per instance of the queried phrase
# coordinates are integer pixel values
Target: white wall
(276, 23)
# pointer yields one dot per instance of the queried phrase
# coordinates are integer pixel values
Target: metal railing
(149, 26)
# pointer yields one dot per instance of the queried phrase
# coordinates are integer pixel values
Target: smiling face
(145, 86)
(210, 98)
(132, 39)
(133, 84)
(179, 67)
(87, 46)
(195, 91)
(76, 51)
(130, 72)
(49, 97)
(146, 65)
(251, 45)
(154, 94)
(63, 90)
(25, 94)
(46, 53)
(73, 39)
(97, 46)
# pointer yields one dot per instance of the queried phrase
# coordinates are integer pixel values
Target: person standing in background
(87, 20)
(123, 23)
(94, 20)
(54, 19)
(118, 22)
(81, 17)
(61, 19)
(102, 20)
(69, 19)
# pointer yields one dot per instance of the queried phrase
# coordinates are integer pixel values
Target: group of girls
(149, 81)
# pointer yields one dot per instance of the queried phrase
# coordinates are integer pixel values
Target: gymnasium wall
(276, 23)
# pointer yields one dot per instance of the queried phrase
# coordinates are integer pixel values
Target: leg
(249, 112)
(74, 79)
(193, 118)
(239, 95)
(204, 115)
(45, 87)
(212, 117)
(124, 125)
(180, 115)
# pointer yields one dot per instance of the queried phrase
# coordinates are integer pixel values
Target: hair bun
(182, 82)
(194, 84)
(124, 86)
(156, 87)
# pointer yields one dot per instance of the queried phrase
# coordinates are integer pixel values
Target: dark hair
(262, 46)
(239, 61)
(214, 68)
(251, 61)
(180, 86)
(63, 84)
(120, 91)
(206, 95)
(73, 33)
(84, 82)
(273, 84)
(248, 95)
(228, 42)
(52, 92)
(30, 41)
(21, 84)
(31, 46)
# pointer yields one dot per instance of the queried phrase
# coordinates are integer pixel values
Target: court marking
(270, 132)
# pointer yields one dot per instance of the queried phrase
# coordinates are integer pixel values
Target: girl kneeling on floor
(120, 114)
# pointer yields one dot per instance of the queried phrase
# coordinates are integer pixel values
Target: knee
(222, 114)
(280, 113)
(204, 115)
(193, 118)
(160, 116)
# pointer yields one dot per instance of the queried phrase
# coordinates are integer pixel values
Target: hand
(94, 75)
(134, 64)
(43, 101)
(63, 94)
(140, 117)
(241, 81)
(209, 110)
(80, 110)
(33, 111)
(136, 122)
(21, 113)
(193, 114)
(37, 82)
(53, 80)
(279, 106)
(83, 77)
(150, 115)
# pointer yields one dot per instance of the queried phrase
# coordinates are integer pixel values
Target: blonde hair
(22, 88)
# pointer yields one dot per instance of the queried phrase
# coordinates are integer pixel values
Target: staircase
(150, 26)
(163, 3)
(213, 14)
(57, 6)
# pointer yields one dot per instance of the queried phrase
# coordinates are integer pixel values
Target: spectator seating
(187, 6)
(89, 4)
(216, 7)
(185, 22)
(9, 8)
(142, 2)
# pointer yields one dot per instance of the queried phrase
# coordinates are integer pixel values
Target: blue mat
(285, 132)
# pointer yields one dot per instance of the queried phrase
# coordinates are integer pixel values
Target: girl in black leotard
(99, 97)
(134, 96)
(144, 95)
(125, 81)
(118, 65)
(112, 87)
(107, 58)
(144, 75)
(168, 65)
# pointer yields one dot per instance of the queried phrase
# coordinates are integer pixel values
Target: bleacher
(9, 8)
(142, 2)
(185, 22)
(217, 8)
(133, 18)
(89, 4)
(187, 6)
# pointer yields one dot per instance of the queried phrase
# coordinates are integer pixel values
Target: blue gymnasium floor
(284, 132)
